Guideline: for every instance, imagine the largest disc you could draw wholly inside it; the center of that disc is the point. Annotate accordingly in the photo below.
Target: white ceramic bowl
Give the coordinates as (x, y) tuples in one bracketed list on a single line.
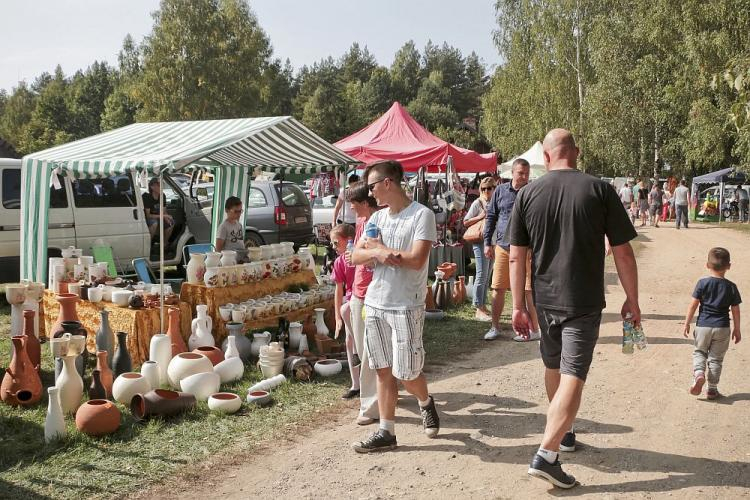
[(258, 397), (128, 385), (328, 367), (185, 364), (224, 402), (121, 297), (270, 371)]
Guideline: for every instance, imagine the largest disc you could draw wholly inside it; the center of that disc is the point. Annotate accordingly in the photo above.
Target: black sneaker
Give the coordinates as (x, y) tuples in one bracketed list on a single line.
[(382, 440), (430, 419), (552, 473), (351, 393), (568, 442)]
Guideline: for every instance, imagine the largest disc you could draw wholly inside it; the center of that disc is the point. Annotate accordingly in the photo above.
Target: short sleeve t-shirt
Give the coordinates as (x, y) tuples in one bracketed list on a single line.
[(626, 195), (151, 203), (232, 234), (362, 274), (343, 273), (399, 288), (563, 217), (716, 295), (654, 197), (681, 195)]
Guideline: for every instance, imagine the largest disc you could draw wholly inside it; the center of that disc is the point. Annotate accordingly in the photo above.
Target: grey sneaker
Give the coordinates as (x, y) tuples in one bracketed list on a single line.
[(382, 440), (568, 442), (492, 334), (430, 419), (551, 473), (532, 336)]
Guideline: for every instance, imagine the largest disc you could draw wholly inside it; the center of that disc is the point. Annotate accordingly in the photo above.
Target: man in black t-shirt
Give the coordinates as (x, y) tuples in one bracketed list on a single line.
[(563, 218)]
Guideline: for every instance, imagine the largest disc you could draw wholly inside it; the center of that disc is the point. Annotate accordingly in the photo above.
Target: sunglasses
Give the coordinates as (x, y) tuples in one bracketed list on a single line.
[(488, 188), (372, 184)]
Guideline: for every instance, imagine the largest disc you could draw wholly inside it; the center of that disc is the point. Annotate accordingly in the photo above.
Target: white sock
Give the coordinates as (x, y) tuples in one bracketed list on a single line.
[(548, 456), (425, 403), (388, 425)]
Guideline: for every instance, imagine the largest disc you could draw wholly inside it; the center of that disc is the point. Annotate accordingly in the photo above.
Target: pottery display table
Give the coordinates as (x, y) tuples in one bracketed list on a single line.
[(218, 296), (139, 324)]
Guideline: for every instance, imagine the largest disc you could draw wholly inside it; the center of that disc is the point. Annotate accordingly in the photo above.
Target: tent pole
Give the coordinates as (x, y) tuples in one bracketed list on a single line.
[(721, 199), (161, 252)]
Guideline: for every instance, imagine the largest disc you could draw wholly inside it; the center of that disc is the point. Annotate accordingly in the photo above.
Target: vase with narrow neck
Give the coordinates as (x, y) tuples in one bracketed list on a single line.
[(213, 259), (228, 258), (242, 344), (70, 385), (96, 389), (68, 312), (174, 332), (54, 423), (105, 337), (160, 350), (21, 384), (196, 268), (320, 323), (105, 372), (308, 261), (231, 350), (76, 330), (121, 362), (459, 291), (33, 349), (201, 328)]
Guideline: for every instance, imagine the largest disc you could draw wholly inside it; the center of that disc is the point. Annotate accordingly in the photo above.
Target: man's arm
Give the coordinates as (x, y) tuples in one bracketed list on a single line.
[(520, 316), (627, 270)]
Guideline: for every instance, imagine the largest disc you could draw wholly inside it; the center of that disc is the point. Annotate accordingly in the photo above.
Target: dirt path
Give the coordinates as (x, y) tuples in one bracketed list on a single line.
[(642, 434)]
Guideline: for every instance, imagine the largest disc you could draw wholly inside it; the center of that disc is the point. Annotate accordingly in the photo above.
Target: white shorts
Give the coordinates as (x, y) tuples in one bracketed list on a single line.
[(399, 332)]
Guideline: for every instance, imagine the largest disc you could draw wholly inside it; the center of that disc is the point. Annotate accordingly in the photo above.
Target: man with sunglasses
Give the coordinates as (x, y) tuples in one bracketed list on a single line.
[(394, 301)]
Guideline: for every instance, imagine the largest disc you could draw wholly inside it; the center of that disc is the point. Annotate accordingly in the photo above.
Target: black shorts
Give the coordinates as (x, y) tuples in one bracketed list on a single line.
[(568, 340)]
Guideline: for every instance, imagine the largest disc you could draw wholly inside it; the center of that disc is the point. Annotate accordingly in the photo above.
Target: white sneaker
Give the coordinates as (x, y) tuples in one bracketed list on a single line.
[(492, 334), (533, 336)]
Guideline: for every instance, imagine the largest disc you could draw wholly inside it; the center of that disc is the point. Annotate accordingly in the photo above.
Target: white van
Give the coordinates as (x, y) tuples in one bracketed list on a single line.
[(85, 210)]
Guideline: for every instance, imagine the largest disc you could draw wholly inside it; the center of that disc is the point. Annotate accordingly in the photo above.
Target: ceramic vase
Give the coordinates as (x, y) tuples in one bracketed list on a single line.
[(470, 288), (211, 277), (295, 334), (201, 328), (231, 350), (121, 362), (201, 385), (309, 329), (21, 384), (127, 385), (186, 364), (68, 312), (78, 336), (442, 297), (160, 351), (244, 345), (96, 389), (160, 403), (213, 259), (105, 373), (196, 268), (97, 417), (224, 402), (228, 258), (105, 337), (320, 324), (459, 291), (151, 372), (259, 340), (174, 332), (70, 385), (429, 299), (33, 348), (54, 423), (308, 261), (230, 370), (268, 384), (214, 354)]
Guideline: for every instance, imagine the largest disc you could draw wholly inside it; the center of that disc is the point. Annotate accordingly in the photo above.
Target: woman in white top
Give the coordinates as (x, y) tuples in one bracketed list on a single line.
[(475, 215)]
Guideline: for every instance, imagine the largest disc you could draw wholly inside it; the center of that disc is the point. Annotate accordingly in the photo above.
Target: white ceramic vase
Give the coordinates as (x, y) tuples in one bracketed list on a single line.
[(228, 258), (70, 385), (259, 340), (231, 350), (128, 385), (185, 364), (211, 276), (151, 372), (224, 402), (160, 350), (213, 259), (201, 385), (308, 261), (196, 268), (295, 334), (201, 329), (230, 370), (54, 423), (320, 323)]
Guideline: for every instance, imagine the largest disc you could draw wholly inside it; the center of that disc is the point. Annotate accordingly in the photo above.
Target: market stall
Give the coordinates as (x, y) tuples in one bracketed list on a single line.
[(534, 155), (725, 177)]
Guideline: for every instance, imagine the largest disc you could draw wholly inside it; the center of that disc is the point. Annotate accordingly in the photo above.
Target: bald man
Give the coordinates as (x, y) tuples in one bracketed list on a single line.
[(563, 219)]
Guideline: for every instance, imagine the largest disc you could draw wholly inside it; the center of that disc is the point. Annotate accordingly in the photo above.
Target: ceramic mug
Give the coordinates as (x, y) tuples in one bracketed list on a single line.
[(238, 315), (95, 294), (225, 313), (59, 345), (77, 344)]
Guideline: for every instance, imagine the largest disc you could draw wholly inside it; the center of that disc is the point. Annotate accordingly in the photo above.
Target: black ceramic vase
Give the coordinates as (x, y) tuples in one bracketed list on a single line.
[(121, 362)]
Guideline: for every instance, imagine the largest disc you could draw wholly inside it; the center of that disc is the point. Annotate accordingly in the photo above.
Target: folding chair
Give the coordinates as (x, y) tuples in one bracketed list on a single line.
[(187, 250), (143, 271)]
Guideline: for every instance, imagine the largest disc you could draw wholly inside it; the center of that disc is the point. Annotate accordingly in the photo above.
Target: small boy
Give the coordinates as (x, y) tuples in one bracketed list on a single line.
[(716, 295), (343, 276), (230, 235)]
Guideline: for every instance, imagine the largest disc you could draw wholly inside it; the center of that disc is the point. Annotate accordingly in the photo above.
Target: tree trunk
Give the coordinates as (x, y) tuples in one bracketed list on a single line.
[(581, 135), (657, 154)]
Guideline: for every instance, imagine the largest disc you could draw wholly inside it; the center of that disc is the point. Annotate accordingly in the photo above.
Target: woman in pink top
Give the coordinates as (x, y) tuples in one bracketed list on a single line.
[(343, 276)]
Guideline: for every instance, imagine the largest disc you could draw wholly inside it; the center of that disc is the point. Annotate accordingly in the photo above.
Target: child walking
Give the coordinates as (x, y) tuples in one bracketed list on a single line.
[(716, 296), (343, 276)]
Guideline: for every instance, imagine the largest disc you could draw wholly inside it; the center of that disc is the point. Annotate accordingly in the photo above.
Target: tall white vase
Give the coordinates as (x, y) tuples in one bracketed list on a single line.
[(150, 371), (320, 324), (160, 350), (201, 328), (196, 268), (70, 385), (231, 351), (54, 423), (213, 259)]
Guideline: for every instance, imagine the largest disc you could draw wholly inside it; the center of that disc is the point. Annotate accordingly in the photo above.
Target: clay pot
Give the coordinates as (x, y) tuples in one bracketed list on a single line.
[(213, 354), (96, 389), (175, 335), (448, 269), (224, 402), (97, 417), (160, 403), (429, 300), (128, 385), (21, 384), (105, 373), (33, 349), (68, 312), (186, 364), (459, 291)]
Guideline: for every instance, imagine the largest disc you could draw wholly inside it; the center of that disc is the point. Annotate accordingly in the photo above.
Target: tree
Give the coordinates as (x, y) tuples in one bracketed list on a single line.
[(357, 64), (406, 73), (432, 106), (16, 116)]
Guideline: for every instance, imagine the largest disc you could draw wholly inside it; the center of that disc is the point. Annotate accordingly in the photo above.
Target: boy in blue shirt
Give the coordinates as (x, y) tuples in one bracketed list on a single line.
[(716, 296)]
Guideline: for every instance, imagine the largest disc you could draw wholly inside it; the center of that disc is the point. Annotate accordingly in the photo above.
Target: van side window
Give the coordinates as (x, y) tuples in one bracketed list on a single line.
[(256, 198), (107, 192), (12, 191)]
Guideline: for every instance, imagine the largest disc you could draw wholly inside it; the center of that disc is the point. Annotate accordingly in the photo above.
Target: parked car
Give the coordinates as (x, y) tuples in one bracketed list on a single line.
[(323, 207)]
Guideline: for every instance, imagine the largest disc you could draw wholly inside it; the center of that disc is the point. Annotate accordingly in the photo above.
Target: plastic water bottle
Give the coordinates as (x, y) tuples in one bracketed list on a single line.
[(350, 246), (639, 338), (627, 336), (371, 230)]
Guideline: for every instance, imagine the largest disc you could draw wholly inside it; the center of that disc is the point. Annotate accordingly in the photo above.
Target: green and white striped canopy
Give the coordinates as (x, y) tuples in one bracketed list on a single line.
[(232, 148)]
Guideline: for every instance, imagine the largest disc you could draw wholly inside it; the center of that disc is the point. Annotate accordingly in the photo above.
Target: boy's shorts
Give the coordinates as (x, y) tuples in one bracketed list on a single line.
[(568, 340), (394, 340), (501, 270)]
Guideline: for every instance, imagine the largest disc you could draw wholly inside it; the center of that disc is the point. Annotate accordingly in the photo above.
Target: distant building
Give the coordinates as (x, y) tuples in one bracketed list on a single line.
[(7, 150)]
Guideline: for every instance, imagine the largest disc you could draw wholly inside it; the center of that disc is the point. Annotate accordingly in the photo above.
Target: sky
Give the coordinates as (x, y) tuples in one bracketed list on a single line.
[(37, 35)]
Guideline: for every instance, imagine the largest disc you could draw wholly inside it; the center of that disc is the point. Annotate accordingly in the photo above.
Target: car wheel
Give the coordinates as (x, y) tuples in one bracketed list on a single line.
[(253, 240)]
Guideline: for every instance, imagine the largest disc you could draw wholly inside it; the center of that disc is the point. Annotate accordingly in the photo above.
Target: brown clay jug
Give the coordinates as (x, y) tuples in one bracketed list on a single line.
[(21, 384), (105, 372), (68, 312), (429, 300), (33, 349), (174, 333), (309, 329), (459, 291)]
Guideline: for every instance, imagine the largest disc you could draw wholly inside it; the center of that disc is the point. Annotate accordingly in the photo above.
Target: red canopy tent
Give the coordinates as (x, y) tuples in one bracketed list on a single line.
[(398, 136)]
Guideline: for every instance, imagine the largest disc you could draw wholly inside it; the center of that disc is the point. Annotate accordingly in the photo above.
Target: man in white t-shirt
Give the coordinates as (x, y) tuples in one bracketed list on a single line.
[(626, 196), (394, 302), (681, 200)]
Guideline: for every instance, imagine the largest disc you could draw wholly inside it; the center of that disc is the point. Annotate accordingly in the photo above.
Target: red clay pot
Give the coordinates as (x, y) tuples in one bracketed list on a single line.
[(160, 403), (105, 372), (68, 312), (214, 354), (33, 349), (429, 300), (97, 417), (21, 384), (175, 335), (448, 268)]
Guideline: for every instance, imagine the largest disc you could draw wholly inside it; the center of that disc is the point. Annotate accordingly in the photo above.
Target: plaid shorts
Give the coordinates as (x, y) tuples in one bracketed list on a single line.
[(399, 332)]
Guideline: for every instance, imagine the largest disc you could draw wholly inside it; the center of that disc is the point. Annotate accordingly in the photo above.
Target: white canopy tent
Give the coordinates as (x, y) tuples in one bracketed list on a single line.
[(535, 157)]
